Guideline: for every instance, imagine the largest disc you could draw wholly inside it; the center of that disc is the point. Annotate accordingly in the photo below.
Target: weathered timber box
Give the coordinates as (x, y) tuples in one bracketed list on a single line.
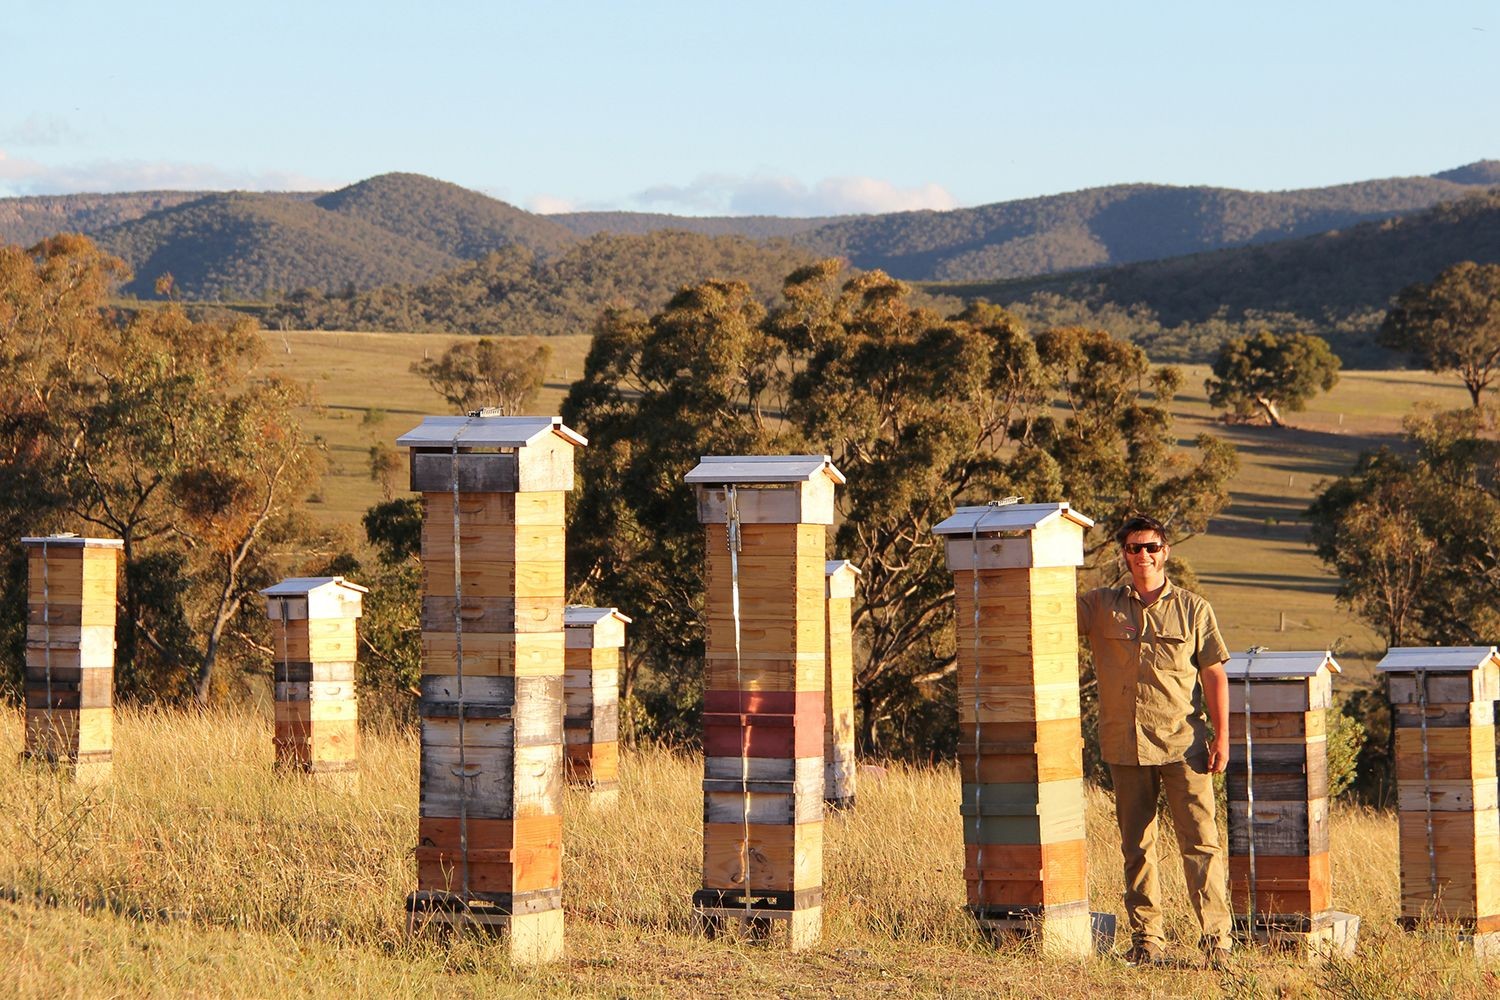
[(595, 644), (1277, 785), (493, 665), (840, 768), (1443, 702), (1015, 591), (68, 683), (314, 646), (765, 711)]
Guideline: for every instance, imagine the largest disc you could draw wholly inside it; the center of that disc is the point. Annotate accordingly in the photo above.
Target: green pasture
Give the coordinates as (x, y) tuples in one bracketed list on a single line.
[(1253, 563)]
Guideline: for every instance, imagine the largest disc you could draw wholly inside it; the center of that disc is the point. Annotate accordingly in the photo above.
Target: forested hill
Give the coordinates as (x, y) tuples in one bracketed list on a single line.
[(446, 217), (24, 221), (514, 291), (1338, 279), (248, 246), (1117, 225), (758, 227), (407, 228)]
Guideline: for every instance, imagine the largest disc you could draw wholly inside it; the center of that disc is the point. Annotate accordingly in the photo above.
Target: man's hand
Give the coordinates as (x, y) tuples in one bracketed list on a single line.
[(1218, 754), (1216, 698)]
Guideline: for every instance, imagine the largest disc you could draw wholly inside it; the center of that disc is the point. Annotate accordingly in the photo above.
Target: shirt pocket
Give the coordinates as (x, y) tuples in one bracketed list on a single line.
[(1172, 651)]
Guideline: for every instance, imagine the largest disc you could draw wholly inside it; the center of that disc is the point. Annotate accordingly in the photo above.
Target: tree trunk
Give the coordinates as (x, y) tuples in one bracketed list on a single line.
[(1268, 406)]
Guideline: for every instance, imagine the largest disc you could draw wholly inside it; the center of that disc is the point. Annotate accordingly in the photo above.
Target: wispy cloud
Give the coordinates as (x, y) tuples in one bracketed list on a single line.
[(39, 130), (23, 176), (772, 194), (547, 204)]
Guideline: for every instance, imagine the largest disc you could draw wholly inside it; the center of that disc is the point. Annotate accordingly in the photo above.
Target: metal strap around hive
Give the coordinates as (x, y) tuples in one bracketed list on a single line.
[(734, 540), (978, 785), (1250, 795), (50, 716), (462, 771), (286, 666), (1432, 873)]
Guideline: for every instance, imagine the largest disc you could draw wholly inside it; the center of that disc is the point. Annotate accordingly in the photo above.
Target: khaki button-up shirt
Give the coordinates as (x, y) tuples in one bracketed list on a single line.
[(1147, 661)]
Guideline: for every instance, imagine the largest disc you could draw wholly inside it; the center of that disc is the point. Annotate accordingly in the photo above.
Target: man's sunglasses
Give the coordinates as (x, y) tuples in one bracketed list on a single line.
[(1135, 548)]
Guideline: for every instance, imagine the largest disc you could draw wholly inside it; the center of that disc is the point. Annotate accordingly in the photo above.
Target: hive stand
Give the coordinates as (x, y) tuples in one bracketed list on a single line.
[(314, 647), (839, 766), (1443, 706), (70, 654), (591, 691), (763, 703), (1020, 741), (1277, 780), (493, 593)]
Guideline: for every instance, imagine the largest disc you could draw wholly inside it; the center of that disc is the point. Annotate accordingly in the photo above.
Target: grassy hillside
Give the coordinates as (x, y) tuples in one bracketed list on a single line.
[(1254, 563), (199, 871)]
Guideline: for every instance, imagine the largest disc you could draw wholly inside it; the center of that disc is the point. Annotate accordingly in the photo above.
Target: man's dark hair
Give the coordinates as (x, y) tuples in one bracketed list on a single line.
[(1140, 522)]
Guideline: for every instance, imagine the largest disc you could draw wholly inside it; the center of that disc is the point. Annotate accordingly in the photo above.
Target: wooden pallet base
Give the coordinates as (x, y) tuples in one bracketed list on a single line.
[(794, 930), (529, 938), (1059, 932), (603, 796), (1317, 938)]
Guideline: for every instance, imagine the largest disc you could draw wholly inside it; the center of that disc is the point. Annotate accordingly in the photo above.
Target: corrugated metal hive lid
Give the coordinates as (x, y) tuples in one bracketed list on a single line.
[(583, 616), (1007, 517), (1442, 659), (832, 566), (482, 431), (1269, 664), (722, 469), (295, 586)]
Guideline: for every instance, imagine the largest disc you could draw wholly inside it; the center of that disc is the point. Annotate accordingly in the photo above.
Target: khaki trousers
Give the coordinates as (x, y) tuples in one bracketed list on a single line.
[(1190, 797)]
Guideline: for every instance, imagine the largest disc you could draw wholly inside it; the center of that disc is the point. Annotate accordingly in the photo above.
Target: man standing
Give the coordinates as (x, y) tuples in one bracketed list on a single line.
[(1160, 660)]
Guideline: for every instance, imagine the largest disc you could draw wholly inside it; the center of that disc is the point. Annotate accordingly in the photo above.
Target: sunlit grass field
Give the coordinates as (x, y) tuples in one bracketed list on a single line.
[(200, 871)]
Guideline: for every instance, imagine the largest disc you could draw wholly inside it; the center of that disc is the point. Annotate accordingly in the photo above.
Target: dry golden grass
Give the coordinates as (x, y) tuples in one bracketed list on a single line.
[(199, 871)]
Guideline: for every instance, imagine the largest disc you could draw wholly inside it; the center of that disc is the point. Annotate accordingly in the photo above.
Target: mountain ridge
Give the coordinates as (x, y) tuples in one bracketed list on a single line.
[(409, 228)]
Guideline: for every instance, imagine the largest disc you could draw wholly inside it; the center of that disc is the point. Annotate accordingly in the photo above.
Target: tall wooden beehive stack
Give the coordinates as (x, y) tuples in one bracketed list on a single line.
[(763, 704), (591, 690), (1443, 700), (70, 653), (1020, 742), (314, 646), (1277, 779), (493, 594), (839, 767)]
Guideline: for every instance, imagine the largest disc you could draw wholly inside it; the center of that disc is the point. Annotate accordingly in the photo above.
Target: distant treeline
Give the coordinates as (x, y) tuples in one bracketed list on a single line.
[(514, 291)]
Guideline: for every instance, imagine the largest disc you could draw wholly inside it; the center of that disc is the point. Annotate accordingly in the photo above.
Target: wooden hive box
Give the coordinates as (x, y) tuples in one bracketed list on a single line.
[(839, 766), (1442, 700), (70, 654), (1277, 784), (764, 704), (1020, 745), (314, 649), (591, 692), (493, 663)]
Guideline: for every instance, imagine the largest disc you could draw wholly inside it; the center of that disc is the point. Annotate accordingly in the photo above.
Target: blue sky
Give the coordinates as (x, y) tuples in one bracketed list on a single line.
[(740, 108)]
